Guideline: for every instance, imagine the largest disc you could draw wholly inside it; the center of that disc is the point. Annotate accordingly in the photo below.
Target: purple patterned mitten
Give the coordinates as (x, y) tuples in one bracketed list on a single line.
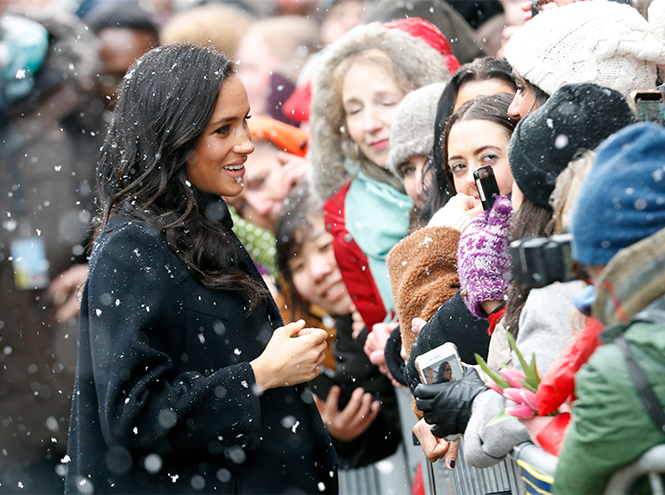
[(483, 259)]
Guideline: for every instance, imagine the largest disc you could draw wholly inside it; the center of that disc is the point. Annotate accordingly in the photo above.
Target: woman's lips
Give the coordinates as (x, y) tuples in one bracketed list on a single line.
[(236, 171), (335, 291), (379, 145)]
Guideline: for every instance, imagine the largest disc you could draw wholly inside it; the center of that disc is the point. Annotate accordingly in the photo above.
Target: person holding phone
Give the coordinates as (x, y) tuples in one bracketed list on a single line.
[(542, 320), (187, 380)]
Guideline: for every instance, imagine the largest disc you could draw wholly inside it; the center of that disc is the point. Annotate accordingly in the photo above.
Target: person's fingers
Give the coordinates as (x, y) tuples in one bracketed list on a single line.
[(452, 454), (332, 401), (417, 325), (322, 407), (293, 328), (354, 404), (377, 358), (423, 391), (432, 447), (68, 309)]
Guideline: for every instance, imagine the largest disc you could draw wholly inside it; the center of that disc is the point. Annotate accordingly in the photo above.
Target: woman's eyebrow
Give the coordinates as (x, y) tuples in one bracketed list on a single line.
[(483, 148)]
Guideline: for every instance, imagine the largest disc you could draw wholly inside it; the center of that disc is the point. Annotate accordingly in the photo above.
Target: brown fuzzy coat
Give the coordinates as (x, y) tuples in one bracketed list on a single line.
[(423, 275)]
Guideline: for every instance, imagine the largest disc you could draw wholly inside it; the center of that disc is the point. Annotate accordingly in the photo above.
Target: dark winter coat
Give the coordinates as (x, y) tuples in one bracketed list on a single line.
[(165, 398), (353, 369)]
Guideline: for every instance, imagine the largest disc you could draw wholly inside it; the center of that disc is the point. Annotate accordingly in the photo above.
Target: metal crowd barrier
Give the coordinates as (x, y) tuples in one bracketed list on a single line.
[(651, 464), (529, 470)]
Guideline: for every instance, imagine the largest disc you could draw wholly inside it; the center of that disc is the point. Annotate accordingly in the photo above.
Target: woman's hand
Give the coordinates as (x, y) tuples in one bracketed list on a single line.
[(376, 343), (435, 448), (457, 212), (292, 356), (63, 292), (349, 423)]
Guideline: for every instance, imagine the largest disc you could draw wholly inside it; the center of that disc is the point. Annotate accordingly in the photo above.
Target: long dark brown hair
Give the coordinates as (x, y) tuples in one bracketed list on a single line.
[(530, 220), (486, 107), (165, 103), (481, 69)]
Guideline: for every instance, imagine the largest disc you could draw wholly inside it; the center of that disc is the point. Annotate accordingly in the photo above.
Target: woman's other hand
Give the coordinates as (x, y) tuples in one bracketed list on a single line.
[(435, 448), (292, 356), (64, 289), (349, 423), (457, 212)]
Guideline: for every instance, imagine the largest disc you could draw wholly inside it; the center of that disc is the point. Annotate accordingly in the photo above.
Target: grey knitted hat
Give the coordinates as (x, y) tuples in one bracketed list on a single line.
[(412, 130)]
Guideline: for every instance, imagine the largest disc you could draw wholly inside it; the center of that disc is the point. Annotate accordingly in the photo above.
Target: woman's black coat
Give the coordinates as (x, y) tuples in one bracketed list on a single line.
[(165, 398)]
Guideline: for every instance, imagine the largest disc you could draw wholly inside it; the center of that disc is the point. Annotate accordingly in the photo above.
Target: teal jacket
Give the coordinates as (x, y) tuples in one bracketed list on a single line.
[(610, 427)]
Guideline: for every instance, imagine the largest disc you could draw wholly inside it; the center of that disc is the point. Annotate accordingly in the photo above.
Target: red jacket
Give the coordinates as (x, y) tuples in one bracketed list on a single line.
[(352, 262)]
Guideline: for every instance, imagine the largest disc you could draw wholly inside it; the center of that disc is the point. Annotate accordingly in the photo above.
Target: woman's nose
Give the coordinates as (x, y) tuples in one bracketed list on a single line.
[(372, 123), (514, 108), (470, 182), (320, 267), (245, 146)]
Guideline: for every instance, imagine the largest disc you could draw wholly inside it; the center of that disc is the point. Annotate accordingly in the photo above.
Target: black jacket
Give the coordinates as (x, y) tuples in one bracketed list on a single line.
[(353, 369), (165, 396)]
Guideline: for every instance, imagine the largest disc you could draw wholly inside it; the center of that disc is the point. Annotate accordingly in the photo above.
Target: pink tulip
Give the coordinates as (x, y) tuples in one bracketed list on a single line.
[(529, 398), (491, 384), (513, 394), (513, 376), (520, 411)]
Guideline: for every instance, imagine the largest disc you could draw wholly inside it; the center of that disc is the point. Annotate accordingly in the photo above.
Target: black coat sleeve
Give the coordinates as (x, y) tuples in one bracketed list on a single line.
[(453, 322), (137, 324)]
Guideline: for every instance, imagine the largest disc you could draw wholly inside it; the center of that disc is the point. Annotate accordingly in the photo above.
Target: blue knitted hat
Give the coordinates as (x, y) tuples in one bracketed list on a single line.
[(622, 200)]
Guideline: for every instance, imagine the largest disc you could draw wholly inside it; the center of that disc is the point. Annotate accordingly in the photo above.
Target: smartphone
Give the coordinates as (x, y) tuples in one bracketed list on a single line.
[(486, 185), (439, 365), (649, 106)]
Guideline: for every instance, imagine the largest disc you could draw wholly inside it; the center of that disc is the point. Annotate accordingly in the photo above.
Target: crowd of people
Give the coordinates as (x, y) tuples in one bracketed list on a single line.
[(233, 232)]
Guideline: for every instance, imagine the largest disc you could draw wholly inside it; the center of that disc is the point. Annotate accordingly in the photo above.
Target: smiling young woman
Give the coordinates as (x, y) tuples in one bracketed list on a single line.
[(186, 378)]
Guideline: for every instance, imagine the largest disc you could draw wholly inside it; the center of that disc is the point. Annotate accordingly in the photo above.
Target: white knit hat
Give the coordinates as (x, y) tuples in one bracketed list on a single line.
[(412, 130), (603, 42)]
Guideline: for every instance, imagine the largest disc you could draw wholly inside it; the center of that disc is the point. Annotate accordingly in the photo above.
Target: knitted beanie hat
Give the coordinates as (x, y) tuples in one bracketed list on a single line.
[(412, 130), (622, 200), (605, 42), (577, 117)]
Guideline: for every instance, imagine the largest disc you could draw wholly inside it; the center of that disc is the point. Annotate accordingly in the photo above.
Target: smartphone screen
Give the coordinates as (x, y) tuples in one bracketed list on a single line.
[(486, 185), (649, 106)]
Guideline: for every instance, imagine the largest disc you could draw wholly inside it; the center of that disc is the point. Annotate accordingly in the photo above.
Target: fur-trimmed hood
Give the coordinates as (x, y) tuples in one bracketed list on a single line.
[(413, 57)]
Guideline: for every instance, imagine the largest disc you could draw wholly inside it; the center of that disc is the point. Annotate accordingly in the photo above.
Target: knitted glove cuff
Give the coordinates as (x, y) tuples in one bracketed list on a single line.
[(483, 259)]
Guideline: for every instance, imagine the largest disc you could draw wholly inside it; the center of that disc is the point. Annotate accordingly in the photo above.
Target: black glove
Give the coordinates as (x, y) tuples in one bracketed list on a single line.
[(447, 406)]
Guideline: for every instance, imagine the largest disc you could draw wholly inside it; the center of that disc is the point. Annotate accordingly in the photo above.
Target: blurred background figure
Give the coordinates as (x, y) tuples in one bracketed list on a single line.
[(339, 16), (126, 32), (270, 57), (215, 25), (50, 131)]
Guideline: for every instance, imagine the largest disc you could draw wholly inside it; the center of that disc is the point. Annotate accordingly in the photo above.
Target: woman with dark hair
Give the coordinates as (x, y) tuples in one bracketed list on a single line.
[(187, 380), (604, 43), (483, 76), (422, 267)]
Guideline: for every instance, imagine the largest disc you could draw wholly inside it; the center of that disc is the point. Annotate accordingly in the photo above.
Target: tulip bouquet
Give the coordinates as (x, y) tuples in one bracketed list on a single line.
[(516, 385)]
